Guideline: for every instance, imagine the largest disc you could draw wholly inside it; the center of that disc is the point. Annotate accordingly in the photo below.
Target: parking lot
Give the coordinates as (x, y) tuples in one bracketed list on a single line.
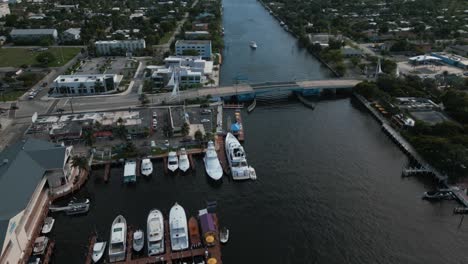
[(112, 65)]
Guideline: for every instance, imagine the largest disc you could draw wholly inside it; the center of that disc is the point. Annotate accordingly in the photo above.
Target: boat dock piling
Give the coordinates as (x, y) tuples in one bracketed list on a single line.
[(165, 164), (107, 172), (192, 163), (138, 169), (92, 241), (169, 256)]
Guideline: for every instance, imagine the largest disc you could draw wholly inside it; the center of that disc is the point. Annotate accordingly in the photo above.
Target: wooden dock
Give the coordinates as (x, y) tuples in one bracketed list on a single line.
[(173, 256), (165, 164), (107, 172), (241, 134), (138, 165), (221, 153), (192, 163), (89, 256), (50, 250)]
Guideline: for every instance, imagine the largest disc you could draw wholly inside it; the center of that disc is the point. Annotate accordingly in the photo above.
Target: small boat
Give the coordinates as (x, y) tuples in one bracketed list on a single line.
[(172, 161), (146, 167), (130, 171), (118, 239), (184, 163), (194, 232), (224, 235), (78, 208), (155, 232), (438, 195), (253, 45), (48, 224), (98, 251), (40, 245), (178, 228), (138, 240), (212, 165), (70, 205)]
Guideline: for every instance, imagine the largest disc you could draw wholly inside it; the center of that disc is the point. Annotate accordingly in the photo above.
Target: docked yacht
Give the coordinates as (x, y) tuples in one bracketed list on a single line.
[(118, 239), (253, 45), (172, 161), (184, 163), (48, 224), (236, 157), (146, 167), (178, 228), (155, 232), (212, 165)]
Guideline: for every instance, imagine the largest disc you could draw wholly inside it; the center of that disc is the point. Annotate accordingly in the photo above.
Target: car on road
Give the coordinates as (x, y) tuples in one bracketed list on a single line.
[(206, 111), (155, 114), (205, 120)]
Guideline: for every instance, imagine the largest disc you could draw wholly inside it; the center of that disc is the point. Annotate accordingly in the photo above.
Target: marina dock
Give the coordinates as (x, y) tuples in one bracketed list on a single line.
[(240, 135), (169, 256), (219, 146), (107, 172)]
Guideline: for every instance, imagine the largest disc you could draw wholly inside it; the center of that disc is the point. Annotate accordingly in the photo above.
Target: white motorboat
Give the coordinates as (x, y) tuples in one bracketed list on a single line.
[(118, 239), (48, 224), (236, 157), (253, 45), (184, 163), (212, 165), (224, 235), (146, 167), (130, 171), (98, 251), (178, 228), (138, 240), (40, 245), (155, 232), (172, 161)]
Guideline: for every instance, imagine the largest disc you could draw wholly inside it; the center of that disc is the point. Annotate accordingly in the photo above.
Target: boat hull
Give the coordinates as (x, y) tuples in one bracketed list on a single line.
[(118, 254), (178, 228), (155, 244)]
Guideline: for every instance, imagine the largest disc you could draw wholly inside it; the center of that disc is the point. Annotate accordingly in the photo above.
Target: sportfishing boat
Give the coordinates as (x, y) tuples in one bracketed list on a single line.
[(48, 224), (118, 239), (184, 163), (98, 251), (172, 161), (253, 45), (155, 232), (178, 228), (236, 157), (138, 240), (130, 171), (146, 167), (212, 165), (40, 245), (224, 235)]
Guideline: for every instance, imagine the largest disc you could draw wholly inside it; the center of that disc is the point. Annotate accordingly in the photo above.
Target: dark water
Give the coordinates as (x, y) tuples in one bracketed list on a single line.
[(277, 58), (329, 188)]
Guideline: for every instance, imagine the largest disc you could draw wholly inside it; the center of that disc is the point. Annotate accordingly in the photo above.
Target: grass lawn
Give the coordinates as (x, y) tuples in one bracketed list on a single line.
[(166, 37), (11, 95), (15, 57)]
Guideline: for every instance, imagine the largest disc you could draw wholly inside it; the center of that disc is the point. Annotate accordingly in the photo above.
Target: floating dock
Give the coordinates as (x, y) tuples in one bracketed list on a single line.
[(107, 172), (219, 146)]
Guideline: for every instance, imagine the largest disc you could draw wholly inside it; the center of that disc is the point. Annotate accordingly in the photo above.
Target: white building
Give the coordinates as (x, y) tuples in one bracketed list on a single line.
[(161, 76), (203, 47), (71, 34), (4, 9), (85, 84), (194, 63), (114, 46)]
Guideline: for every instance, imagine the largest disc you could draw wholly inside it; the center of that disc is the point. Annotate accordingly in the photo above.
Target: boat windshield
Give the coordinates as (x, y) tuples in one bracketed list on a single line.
[(172, 162)]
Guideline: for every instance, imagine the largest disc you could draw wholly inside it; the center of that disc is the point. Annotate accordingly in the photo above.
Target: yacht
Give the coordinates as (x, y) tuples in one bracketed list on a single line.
[(184, 163), (146, 167), (172, 161), (138, 240), (235, 155), (40, 245), (212, 165), (98, 251), (118, 239), (178, 228), (253, 45), (155, 232)]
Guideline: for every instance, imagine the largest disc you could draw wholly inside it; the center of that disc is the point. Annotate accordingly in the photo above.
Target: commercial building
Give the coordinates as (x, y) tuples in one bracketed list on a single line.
[(119, 46), (85, 84), (165, 77), (71, 35), (451, 59), (32, 34), (194, 63), (461, 50), (29, 171), (203, 47)]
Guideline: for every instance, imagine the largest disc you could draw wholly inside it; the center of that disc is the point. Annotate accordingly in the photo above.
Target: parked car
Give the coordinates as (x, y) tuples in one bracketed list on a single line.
[(205, 120)]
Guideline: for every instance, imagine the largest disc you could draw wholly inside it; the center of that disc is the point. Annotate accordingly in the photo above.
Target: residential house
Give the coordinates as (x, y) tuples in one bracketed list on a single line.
[(71, 35)]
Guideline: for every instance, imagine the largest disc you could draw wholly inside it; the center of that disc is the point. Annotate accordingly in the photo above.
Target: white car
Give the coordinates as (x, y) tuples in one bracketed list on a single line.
[(205, 120), (155, 114)]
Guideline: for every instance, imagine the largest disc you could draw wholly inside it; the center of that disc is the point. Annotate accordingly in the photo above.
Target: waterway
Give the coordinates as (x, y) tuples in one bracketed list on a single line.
[(329, 186)]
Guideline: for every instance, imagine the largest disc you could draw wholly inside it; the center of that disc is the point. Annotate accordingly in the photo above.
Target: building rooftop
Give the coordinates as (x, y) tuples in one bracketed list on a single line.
[(82, 78), (192, 42), (116, 41), (44, 31)]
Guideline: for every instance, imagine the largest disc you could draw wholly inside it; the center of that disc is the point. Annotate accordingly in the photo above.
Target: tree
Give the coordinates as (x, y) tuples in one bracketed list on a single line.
[(185, 129), (45, 58), (198, 135), (88, 136), (80, 162)]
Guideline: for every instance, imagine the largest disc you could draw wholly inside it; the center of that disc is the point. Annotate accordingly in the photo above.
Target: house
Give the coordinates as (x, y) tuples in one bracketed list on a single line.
[(349, 52), (85, 84), (205, 15), (29, 171), (71, 35), (115, 46), (200, 26), (203, 47), (194, 63), (30, 35), (36, 16)]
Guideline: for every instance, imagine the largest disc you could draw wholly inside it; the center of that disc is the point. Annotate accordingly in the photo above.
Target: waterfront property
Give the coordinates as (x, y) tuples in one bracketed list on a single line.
[(203, 47), (84, 84), (109, 47), (29, 171)]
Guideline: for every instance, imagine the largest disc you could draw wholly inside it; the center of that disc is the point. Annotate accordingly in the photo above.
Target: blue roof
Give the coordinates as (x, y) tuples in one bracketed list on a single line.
[(235, 127)]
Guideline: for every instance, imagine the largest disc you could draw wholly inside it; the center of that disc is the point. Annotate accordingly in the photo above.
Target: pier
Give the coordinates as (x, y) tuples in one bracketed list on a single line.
[(219, 146)]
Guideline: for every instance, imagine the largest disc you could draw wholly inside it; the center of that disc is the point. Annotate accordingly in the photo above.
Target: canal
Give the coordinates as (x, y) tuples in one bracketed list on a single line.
[(329, 186)]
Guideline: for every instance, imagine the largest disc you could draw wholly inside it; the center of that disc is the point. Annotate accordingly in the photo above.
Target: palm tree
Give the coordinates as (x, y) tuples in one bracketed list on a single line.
[(80, 162)]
